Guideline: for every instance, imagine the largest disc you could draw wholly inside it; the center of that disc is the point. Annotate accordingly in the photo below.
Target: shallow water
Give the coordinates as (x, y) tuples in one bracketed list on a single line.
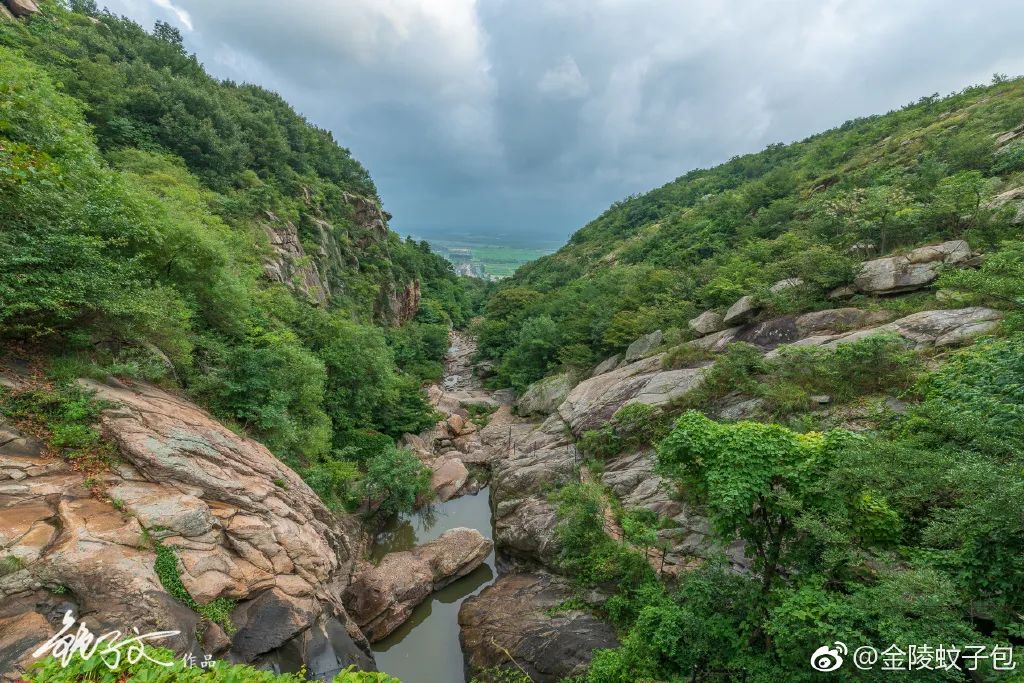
[(425, 649)]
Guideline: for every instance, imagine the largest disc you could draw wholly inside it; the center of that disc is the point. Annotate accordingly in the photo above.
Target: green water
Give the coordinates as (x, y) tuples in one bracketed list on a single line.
[(425, 649)]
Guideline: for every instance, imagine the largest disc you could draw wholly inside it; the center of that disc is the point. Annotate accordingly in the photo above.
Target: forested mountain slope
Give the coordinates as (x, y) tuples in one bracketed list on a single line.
[(811, 444), (160, 224), (811, 210)]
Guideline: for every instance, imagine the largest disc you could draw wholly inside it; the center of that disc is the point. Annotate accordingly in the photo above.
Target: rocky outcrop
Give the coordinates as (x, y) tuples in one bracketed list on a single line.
[(22, 8), (642, 347), (288, 262), (685, 538), (783, 285), (607, 365), (448, 477), (382, 597), (907, 272), (244, 527), (544, 396), (634, 482), (540, 458), (919, 330), (1014, 197), (516, 617), (706, 323), (592, 402), (399, 305), (741, 311), (369, 221)]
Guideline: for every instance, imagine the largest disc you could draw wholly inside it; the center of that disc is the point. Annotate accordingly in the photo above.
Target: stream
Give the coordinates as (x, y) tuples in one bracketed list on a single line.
[(425, 649)]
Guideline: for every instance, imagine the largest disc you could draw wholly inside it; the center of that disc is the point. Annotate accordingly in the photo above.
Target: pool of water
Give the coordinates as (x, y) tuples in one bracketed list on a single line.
[(425, 649)]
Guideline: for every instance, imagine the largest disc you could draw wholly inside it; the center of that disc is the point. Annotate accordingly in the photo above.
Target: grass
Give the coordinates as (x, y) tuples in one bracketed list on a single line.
[(166, 567)]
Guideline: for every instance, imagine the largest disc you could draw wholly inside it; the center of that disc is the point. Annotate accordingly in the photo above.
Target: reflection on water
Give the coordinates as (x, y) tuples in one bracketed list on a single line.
[(425, 649)]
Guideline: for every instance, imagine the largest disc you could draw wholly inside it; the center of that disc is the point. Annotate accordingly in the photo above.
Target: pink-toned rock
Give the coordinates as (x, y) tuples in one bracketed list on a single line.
[(448, 477), (241, 522), (382, 597), (22, 8)]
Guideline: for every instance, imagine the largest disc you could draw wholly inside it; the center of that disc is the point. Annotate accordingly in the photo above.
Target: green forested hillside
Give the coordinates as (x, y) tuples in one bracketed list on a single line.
[(139, 200), (921, 174), (867, 492)]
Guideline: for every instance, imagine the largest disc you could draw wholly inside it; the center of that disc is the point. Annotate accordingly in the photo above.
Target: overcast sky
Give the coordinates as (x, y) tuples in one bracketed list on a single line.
[(529, 117)]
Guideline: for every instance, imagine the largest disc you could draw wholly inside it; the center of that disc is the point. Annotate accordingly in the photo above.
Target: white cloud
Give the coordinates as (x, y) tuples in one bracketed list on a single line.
[(564, 80), (181, 15)]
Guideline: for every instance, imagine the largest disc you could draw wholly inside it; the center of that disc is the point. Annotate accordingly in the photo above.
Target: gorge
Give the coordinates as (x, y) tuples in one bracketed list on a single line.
[(773, 405)]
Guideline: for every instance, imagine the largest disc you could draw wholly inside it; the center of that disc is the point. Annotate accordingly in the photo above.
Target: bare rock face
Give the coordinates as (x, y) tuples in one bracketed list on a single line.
[(783, 285), (243, 524), (634, 482), (836, 320), (706, 323), (1013, 197), (607, 365), (511, 617), (914, 270), (544, 396), (381, 598), (932, 328), (22, 8), (592, 402), (643, 346), (525, 521), (288, 262), (369, 220), (448, 477), (741, 311), (400, 304)]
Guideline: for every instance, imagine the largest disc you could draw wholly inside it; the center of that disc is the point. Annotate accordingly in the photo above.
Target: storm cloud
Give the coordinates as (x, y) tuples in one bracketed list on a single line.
[(528, 118)]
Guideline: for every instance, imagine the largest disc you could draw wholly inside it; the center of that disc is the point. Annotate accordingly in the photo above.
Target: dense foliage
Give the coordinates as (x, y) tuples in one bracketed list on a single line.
[(910, 534), (811, 210), (135, 195)]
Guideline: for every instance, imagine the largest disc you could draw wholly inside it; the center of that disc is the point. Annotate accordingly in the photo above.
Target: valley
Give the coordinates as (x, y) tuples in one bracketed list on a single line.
[(771, 408)]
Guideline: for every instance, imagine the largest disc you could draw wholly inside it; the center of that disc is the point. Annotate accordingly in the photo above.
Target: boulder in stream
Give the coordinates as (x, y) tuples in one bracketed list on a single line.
[(515, 617), (382, 597)]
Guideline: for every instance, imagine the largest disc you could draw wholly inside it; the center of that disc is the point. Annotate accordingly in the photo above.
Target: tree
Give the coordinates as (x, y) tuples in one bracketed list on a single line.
[(393, 481), (755, 478)]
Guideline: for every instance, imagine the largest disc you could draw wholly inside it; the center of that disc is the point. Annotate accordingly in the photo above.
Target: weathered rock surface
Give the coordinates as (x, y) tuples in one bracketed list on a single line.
[(642, 347), (634, 482), (448, 477), (933, 328), (288, 264), (607, 365), (398, 303), (1013, 196), (741, 311), (592, 402), (544, 396), (907, 272), (783, 285), (511, 616), (919, 330), (706, 323), (541, 458), (245, 527), (836, 320), (382, 597), (22, 8)]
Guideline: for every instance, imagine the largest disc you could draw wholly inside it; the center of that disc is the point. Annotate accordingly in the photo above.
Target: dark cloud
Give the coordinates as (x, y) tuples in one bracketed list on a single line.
[(516, 117)]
